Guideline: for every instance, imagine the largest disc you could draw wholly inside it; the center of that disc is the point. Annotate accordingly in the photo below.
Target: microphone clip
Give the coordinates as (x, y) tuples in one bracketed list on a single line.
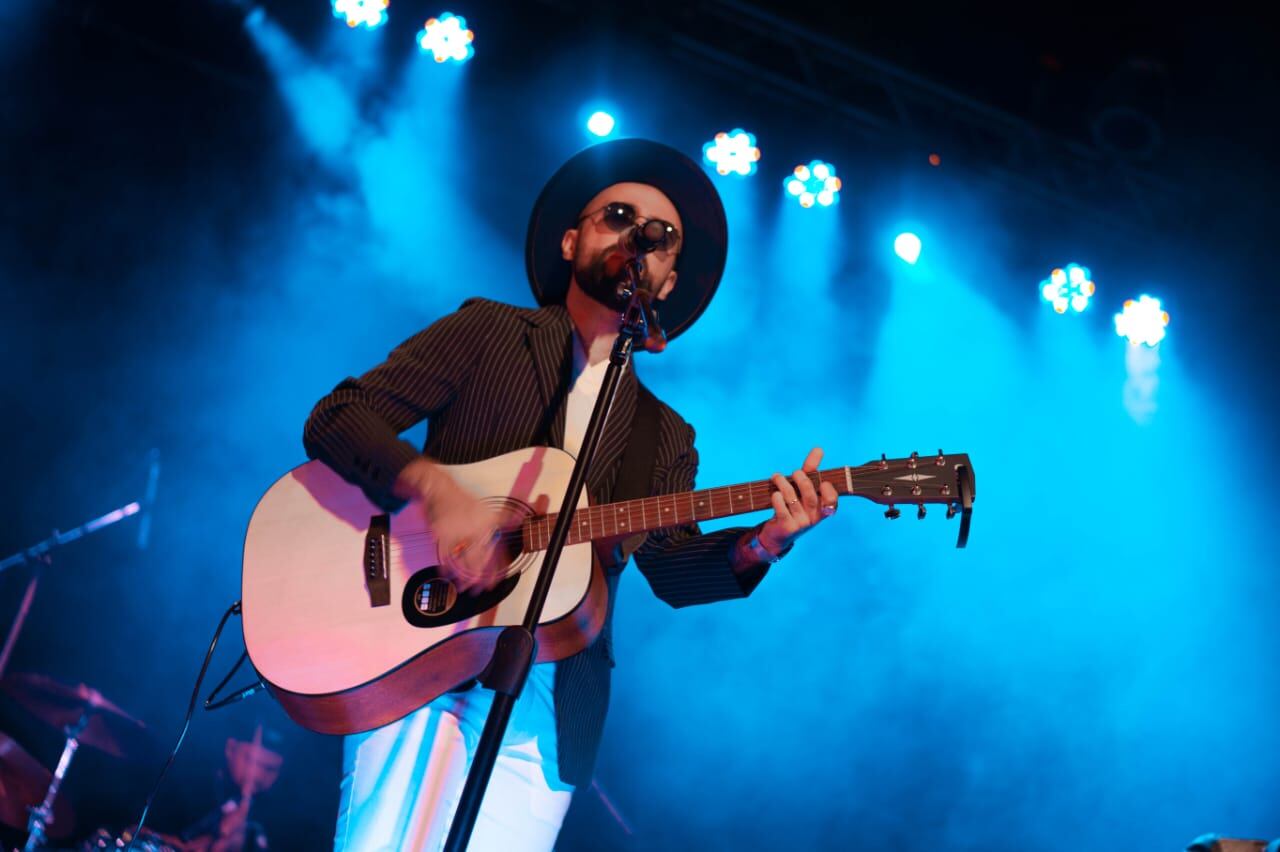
[(640, 318)]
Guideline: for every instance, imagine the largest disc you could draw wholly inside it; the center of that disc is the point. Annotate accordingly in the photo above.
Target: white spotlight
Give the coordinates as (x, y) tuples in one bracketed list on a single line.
[(907, 247)]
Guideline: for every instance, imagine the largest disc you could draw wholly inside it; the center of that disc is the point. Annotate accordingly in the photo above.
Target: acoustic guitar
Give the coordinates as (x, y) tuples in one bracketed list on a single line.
[(351, 624)]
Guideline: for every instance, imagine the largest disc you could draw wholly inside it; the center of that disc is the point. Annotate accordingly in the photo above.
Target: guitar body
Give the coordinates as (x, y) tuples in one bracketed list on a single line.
[(346, 618)]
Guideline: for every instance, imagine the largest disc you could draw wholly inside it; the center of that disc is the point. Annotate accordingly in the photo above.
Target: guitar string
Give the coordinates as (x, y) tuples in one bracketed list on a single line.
[(759, 488), (756, 490), (539, 527)]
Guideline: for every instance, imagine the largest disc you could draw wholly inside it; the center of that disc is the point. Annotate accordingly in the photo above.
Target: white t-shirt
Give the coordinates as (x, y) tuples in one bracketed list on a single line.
[(582, 396)]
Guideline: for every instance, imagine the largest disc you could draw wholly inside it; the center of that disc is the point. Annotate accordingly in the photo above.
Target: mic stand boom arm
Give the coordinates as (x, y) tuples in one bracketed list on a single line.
[(40, 554)]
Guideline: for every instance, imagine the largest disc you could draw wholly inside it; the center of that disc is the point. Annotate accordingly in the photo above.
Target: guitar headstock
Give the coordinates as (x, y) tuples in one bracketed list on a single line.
[(918, 480)]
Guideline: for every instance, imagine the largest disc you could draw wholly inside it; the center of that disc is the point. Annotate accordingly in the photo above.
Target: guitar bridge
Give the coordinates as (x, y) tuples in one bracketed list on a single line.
[(377, 559)]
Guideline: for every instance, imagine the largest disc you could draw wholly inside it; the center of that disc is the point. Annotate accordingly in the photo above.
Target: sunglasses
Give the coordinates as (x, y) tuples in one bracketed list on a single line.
[(619, 216)]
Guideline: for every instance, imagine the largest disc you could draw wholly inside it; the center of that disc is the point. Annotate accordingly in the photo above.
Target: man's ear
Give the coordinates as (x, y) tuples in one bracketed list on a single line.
[(668, 285), (569, 244)]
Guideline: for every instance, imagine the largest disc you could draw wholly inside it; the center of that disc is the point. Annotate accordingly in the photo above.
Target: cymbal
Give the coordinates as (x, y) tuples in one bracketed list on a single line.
[(23, 783), (110, 729)]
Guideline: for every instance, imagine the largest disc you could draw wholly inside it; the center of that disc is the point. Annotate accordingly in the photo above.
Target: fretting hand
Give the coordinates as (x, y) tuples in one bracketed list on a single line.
[(797, 506)]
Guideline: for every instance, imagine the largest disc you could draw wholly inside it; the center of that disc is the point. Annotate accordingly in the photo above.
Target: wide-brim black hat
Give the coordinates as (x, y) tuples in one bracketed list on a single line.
[(705, 237)]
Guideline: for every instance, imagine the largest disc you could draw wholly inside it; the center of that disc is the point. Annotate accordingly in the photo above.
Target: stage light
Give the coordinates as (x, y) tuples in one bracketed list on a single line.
[(907, 247), (447, 37), (361, 13), (1068, 287), (601, 123), (734, 152), (814, 183), (935, 160), (1142, 321)]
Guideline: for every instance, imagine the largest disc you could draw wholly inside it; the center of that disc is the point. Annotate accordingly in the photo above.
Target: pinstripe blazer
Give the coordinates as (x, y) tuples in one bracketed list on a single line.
[(492, 378)]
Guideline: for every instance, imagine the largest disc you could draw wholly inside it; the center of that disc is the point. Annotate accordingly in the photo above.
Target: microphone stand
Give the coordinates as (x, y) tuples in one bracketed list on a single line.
[(516, 647), (39, 554)]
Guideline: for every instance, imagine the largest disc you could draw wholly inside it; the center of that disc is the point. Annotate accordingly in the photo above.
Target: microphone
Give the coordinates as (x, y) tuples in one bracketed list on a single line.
[(642, 239), (148, 501)]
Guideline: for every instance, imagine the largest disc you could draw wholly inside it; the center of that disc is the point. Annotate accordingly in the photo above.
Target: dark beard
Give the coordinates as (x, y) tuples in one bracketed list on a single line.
[(600, 277)]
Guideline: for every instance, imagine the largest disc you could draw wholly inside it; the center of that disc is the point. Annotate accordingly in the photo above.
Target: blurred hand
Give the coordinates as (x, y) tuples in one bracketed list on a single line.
[(465, 529)]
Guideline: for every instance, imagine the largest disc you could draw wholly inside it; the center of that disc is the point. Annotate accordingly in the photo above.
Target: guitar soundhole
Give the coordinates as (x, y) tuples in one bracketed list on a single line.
[(430, 600)]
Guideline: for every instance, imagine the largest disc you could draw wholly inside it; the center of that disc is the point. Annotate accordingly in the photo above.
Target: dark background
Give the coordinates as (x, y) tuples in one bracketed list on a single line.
[(199, 240)]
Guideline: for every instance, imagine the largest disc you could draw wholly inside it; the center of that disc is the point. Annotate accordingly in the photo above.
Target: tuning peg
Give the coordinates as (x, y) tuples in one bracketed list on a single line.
[(952, 509), (941, 461), (893, 513), (920, 513), (914, 460), (884, 462)]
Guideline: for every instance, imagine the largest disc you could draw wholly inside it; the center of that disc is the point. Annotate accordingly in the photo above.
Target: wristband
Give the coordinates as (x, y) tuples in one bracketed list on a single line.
[(759, 551)]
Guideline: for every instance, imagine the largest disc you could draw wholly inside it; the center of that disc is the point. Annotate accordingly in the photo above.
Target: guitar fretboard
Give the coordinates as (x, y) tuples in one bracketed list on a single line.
[(671, 510)]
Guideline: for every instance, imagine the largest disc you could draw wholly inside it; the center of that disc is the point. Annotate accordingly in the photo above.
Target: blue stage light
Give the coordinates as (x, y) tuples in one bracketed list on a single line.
[(907, 246), (601, 124), (447, 37), (734, 152), (816, 182), (1142, 321), (361, 13), (1070, 286)]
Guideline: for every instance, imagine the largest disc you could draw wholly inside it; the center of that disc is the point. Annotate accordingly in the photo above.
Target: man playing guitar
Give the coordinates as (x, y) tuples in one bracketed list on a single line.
[(493, 378)]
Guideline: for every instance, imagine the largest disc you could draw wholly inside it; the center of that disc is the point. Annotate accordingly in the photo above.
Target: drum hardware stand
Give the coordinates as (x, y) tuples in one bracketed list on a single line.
[(41, 815)]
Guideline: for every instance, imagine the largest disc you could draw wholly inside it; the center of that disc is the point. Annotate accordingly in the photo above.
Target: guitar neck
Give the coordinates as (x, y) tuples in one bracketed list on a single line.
[(946, 478), (673, 510)]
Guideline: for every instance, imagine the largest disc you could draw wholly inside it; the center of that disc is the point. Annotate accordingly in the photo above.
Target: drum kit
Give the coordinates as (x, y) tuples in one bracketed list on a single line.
[(28, 791)]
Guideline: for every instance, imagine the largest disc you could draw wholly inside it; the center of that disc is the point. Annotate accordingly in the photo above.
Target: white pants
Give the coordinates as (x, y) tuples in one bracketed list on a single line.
[(401, 783)]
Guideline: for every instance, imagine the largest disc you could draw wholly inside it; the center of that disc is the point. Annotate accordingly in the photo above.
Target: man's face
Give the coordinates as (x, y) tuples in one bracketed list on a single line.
[(592, 247)]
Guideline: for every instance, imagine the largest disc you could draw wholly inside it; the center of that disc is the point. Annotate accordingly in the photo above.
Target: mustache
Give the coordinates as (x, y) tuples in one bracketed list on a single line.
[(609, 266)]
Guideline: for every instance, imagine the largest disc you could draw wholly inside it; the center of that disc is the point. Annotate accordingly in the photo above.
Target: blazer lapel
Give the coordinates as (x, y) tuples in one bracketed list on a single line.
[(551, 348), (617, 430)]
